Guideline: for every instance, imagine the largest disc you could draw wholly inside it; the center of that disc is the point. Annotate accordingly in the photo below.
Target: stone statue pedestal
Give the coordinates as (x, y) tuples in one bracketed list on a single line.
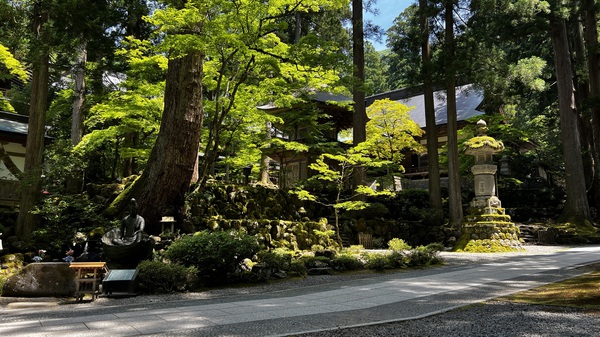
[(487, 228)]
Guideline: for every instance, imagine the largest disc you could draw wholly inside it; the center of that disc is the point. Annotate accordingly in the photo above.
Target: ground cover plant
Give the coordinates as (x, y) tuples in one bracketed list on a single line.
[(580, 292)]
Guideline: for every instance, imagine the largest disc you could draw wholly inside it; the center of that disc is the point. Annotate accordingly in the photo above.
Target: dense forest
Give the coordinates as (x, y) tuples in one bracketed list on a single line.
[(166, 93)]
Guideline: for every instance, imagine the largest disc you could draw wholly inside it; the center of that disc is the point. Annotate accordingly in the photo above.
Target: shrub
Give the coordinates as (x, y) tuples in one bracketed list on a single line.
[(354, 249), (297, 267), (160, 277), (277, 259), (11, 264), (346, 262), (216, 255), (398, 244), (377, 262), (63, 216), (315, 261), (425, 255), (397, 259)]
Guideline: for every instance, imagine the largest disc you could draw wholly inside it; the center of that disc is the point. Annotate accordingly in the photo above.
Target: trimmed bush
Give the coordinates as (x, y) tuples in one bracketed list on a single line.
[(160, 277), (218, 256)]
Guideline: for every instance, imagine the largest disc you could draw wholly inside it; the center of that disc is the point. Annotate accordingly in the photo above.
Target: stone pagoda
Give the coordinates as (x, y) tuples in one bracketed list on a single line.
[(486, 227)]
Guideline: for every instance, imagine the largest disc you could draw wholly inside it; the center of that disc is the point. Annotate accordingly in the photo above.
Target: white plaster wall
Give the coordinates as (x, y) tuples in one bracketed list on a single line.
[(19, 159)]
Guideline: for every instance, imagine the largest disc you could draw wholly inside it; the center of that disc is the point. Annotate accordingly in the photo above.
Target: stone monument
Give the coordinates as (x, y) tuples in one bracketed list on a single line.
[(486, 227), (128, 244)]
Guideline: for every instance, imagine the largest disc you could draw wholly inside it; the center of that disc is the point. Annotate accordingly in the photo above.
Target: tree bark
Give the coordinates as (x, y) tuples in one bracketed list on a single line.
[(264, 159), (8, 162), (593, 64), (166, 179), (78, 96), (455, 212), (75, 182), (576, 205), (435, 194), (582, 92), (31, 182), (359, 131)]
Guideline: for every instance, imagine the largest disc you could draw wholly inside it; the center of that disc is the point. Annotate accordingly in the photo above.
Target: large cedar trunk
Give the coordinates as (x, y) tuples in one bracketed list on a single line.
[(359, 132), (31, 183), (75, 182), (78, 96), (435, 194), (593, 61), (455, 212), (576, 205), (166, 179)]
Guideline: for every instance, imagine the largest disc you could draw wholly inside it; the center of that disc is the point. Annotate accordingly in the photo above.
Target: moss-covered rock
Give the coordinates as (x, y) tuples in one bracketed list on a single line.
[(47, 279)]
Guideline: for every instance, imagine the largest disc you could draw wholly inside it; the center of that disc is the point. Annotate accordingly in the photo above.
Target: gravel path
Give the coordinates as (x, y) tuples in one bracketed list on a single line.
[(492, 318), (450, 259)]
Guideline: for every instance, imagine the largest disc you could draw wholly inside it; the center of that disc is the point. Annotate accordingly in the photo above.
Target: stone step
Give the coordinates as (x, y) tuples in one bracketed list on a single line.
[(31, 305)]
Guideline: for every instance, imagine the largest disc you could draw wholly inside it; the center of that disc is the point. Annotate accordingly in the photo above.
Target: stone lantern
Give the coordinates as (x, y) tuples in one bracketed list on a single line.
[(486, 228), (483, 147)]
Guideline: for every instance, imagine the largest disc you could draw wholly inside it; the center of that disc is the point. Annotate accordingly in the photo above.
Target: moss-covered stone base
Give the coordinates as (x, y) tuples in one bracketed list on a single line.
[(488, 229)]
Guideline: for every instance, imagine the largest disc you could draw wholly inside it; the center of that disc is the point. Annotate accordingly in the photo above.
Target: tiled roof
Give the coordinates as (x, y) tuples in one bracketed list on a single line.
[(468, 98), (13, 123)]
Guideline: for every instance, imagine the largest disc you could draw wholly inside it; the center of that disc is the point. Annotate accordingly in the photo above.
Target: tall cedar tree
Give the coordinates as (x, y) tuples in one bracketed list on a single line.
[(31, 188), (455, 212), (358, 91), (172, 160), (435, 194), (593, 65), (576, 205)]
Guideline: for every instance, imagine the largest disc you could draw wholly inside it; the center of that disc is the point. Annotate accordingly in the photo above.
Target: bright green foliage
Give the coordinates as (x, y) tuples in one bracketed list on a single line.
[(248, 63), (481, 141), (216, 255), (398, 244), (160, 277), (390, 130), (9, 67), (336, 171), (485, 246), (529, 71), (376, 261), (133, 110)]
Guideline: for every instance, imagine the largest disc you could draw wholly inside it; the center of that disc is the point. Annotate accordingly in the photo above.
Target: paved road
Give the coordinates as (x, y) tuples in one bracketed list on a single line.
[(381, 299)]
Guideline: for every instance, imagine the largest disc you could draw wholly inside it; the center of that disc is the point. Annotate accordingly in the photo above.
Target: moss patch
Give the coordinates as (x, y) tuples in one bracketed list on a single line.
[(486, 246), (581, 292), (481, 141)]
